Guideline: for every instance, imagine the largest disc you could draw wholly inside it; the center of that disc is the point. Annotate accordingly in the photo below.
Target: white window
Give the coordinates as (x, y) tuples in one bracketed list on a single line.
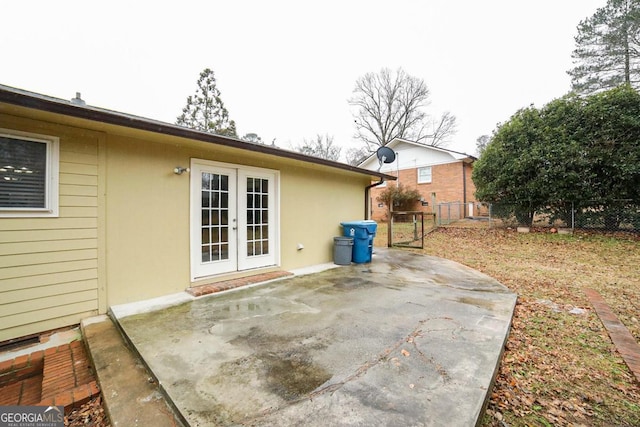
[(424, 175), (28, 175)]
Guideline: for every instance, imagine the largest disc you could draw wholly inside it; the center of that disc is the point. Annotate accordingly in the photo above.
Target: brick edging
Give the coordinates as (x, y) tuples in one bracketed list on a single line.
[(207, 289), (625, 343)]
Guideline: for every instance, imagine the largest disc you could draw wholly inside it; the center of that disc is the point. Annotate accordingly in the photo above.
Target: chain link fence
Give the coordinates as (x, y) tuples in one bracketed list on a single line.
[(612, 216), (458, 213)]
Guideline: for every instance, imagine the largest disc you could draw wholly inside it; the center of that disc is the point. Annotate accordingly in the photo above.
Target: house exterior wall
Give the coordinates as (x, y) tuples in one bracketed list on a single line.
[(49, 267), (123, 233), (449, 182), (147, 214)]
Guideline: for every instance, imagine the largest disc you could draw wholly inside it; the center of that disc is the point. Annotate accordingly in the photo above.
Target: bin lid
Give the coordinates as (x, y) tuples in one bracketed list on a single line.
[(366, 224)]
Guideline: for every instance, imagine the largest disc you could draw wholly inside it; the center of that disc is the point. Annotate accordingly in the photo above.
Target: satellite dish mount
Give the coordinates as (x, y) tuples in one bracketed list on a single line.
[(385, 155)]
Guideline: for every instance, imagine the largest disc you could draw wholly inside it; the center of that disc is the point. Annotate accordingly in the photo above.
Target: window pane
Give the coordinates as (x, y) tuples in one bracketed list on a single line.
[(215, 217), (265, 247), (265, 185), (224, 200), (205, 236), (215, 182), (224, 251), (205, 199), (206, 256), (424, 174), (249, 201), (205, 217), (265, 203), (257, 201), (206, 181), (23, 173), (265, 231), (224, 217), (224, 183)]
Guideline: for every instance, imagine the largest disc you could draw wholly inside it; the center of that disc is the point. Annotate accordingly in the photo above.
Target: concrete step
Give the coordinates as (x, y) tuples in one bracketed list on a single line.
[(130, 395)]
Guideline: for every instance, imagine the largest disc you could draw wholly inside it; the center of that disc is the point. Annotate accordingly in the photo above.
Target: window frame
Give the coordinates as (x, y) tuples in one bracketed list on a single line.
[(430, 175), (51, 192)]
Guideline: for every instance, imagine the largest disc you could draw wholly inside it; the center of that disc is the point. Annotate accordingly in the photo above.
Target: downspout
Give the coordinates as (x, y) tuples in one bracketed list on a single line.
[(464, 185), (366, 196)]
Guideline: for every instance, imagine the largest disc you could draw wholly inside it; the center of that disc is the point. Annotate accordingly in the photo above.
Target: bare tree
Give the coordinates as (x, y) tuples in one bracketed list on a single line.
[(355, 156), (481, 143), (391, 105), (322, 146), (443, 129)]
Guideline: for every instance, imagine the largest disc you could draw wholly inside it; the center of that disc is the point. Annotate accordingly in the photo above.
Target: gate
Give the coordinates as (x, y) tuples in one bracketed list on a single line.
[(407, 229)]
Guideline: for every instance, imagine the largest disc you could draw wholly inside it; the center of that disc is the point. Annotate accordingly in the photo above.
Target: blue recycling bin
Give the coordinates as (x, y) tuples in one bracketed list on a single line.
[(362, 233)]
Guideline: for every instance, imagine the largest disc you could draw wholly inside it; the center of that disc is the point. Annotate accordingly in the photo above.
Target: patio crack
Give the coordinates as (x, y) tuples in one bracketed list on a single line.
[(384, 356), (362, 370)]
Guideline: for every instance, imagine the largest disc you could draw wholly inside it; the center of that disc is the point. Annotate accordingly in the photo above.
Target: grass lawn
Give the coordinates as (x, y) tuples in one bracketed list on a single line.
[(559, 368)]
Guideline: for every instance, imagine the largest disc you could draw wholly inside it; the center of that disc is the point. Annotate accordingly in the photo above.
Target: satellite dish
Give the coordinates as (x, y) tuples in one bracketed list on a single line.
[(385, 155)]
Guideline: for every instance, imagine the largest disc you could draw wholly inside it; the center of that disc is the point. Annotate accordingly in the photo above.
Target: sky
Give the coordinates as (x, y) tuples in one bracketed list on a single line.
[(286, 69)]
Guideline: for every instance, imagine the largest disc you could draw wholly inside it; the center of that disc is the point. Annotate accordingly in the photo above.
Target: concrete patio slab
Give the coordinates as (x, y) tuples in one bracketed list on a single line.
[(406, 340)]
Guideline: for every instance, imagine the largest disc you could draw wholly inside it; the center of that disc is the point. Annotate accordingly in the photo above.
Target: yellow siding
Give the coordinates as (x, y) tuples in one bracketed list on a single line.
[(46, 291), (48, 224), (13, 275), (49, 266), (148, 248), (47, 235), (123, 229)]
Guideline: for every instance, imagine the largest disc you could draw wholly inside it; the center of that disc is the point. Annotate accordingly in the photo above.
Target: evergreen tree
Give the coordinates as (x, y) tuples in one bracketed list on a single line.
[(205, 110), (252, 137), (575, 151), (607, 52)]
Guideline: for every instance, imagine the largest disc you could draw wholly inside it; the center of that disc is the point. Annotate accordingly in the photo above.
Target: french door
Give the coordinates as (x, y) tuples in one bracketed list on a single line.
[(233, 218)]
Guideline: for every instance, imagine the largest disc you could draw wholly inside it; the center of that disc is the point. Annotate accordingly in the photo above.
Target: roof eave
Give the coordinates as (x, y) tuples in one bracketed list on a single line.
[(35, 101)]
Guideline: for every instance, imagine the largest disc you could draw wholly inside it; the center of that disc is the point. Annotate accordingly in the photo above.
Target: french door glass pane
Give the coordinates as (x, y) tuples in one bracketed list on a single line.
[(257, 218), (215, 217)]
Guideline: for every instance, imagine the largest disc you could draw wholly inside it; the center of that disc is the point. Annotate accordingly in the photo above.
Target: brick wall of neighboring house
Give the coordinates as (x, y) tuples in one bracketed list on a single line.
[(446, 183)]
